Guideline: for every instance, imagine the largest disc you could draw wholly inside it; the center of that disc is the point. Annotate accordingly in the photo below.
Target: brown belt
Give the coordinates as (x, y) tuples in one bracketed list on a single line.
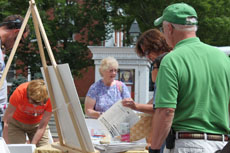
[(190, 135)]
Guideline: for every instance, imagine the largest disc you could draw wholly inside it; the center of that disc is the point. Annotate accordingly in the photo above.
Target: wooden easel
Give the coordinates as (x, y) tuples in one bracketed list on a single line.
[(40, 29)]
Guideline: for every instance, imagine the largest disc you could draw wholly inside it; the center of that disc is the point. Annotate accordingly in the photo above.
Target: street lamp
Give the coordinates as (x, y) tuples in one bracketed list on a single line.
[(134, 32)]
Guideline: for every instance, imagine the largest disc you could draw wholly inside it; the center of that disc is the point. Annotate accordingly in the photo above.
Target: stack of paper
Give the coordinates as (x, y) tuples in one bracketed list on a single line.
[(3, 146), (109, 124), (120, 147), (115, 116)]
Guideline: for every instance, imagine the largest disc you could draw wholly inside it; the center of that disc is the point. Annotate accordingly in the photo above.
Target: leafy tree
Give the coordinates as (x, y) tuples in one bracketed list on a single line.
[(88, 20), (62, 20), (3, 4), (213, 16), (84, 20)]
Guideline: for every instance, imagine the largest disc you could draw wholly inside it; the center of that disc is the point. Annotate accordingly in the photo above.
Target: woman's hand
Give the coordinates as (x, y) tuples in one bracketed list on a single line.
[(128, 102)]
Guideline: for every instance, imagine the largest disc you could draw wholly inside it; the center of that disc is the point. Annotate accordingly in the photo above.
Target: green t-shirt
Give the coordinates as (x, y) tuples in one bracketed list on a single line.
[(195, 80)]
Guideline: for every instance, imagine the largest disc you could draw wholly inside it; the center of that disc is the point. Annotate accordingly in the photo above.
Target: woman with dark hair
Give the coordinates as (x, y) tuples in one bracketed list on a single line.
[(152, 45)]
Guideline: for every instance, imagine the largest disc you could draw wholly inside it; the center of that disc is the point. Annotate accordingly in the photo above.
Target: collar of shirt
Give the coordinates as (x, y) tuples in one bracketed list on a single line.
[(187, 41)]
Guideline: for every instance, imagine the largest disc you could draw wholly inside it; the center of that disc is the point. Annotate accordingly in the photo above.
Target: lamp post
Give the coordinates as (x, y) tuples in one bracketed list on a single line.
[(134, 32), (29, 74)]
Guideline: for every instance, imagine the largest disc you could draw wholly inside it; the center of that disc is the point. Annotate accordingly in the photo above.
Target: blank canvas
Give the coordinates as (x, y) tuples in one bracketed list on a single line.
[(67, 128)]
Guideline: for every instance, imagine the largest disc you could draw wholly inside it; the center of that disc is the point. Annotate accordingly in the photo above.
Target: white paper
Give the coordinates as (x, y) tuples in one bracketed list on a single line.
[(3, 146), (120, 147), (116, 115)]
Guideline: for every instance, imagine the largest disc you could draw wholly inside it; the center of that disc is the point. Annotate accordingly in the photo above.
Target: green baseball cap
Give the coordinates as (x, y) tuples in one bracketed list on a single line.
[(178, 13)]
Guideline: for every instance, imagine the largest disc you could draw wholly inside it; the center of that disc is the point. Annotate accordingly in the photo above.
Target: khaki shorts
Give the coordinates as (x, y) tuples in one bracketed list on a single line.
[(196, 146), (17, 132)]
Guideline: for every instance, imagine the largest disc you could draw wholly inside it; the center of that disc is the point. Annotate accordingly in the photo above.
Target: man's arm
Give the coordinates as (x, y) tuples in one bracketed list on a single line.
[(161, 124), (42, 127), (7, 116)]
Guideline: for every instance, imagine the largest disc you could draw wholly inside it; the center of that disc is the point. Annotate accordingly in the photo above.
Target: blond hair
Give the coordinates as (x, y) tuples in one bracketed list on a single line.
[(107, 63), (37, 91)]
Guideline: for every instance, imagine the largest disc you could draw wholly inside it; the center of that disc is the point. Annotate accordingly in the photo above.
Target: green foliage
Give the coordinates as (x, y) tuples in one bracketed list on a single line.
[(213, 16), (89, 22), (214, 21), (3, 4), (62, 20)]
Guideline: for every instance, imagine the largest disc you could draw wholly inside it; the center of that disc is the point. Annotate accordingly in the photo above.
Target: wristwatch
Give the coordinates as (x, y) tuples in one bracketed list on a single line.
[(154, 150)]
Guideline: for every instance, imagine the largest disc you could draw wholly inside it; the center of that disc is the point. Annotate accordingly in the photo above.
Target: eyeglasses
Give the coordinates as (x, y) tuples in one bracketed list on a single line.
[(37, 103), (16, 24), (161, 29), (146, 52), (112, 70)]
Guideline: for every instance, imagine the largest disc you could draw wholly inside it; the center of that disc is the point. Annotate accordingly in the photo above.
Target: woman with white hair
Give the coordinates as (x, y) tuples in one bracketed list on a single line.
[(107, 91)]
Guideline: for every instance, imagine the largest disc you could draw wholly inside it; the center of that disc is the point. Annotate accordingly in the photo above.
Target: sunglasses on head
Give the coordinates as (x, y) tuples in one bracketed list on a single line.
[(15, 24)]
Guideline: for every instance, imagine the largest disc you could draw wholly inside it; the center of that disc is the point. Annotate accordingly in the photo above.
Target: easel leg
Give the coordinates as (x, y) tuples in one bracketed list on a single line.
[(46, 72)]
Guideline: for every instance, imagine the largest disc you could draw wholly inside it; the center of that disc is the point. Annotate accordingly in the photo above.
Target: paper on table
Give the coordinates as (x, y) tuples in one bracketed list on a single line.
[(116, 115), (3, 146), (120, 147)]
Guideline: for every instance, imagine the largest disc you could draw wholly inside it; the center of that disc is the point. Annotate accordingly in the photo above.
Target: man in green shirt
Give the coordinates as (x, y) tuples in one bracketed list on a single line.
[(193, 88)]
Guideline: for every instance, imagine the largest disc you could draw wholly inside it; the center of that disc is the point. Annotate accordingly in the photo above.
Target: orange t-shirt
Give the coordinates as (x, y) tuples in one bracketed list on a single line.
[(25, 111)]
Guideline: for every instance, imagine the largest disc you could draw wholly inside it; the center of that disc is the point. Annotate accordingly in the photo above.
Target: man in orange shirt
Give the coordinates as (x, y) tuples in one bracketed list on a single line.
[(28, 113)]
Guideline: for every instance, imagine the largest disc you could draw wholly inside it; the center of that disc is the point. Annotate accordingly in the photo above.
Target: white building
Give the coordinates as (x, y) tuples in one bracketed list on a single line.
[(225, 49)]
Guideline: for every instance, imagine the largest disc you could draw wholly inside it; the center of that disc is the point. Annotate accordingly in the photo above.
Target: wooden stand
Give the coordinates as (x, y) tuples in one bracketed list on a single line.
[(40, 29)]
